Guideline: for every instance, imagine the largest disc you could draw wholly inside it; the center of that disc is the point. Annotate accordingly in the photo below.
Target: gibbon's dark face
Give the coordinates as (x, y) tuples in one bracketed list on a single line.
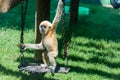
[(44, 27)]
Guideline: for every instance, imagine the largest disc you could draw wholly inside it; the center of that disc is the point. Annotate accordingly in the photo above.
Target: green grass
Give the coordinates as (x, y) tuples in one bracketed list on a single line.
[(94, 52)]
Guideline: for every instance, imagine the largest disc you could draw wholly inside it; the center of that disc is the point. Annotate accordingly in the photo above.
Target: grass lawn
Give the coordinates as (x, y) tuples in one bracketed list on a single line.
[(94, 52)]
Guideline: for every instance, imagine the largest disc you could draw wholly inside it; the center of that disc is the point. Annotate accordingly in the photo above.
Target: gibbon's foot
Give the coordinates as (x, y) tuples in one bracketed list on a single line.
[(44, 65), (21, 46), (52, 70)]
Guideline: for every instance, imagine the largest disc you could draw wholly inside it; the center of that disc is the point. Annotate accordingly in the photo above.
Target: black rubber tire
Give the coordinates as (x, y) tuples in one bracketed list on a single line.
[(114, 4)]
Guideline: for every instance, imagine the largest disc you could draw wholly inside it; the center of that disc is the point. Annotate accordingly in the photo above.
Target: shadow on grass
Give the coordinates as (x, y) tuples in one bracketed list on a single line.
[(106, 52), (29, 51), (96, 60), (27, 59), (73, 69), (23, 76), (93, 71), (101, 23), (89, 71), (98, 72)]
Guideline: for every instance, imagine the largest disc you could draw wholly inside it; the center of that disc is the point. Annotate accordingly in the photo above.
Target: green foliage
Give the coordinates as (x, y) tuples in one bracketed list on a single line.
[(94, 52)]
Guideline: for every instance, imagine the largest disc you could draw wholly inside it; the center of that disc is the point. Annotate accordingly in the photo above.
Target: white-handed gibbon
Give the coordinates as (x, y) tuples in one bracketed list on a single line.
[(49, 41)]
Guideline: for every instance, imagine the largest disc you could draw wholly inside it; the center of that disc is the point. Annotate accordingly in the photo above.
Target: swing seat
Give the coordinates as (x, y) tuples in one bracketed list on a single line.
[(36, 68)]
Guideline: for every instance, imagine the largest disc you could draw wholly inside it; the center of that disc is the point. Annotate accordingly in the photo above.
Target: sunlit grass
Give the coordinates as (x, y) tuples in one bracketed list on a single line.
[(88, 58), (94, 51)]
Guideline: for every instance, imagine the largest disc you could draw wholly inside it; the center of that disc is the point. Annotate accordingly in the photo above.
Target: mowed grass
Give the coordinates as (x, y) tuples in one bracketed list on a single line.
[(94, 51)]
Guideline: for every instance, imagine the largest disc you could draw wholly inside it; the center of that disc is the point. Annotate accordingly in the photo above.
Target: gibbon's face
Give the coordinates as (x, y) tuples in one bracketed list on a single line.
[(44, 27)]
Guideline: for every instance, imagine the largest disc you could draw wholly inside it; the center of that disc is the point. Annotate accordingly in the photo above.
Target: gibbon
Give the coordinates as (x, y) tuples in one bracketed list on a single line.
[(49, 41)]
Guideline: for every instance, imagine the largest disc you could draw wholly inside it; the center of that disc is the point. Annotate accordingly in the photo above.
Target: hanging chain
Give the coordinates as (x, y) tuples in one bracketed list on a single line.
[(63, 27), (22, 22), (23, 17), (66, 37), (63, 24), (63, 36)]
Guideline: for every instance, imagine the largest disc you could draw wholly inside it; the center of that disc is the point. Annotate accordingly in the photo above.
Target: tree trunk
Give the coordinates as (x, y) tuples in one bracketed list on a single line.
[(74, 4), (6, 5), (42, 13)]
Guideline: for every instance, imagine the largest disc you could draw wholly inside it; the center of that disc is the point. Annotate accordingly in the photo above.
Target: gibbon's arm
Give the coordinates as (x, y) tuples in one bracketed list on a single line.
[(58, 14), (34, 46)]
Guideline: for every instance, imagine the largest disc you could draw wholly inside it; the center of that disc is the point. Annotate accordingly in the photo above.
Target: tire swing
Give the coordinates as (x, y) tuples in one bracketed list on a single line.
[(115, 3), (36, 67)]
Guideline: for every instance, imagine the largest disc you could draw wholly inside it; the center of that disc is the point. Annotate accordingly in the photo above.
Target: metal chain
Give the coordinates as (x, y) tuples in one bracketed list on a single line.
[(66, 37), (63, 29), (63, 36), (22, 22), (23, 18), (63, 25), (66, 45)]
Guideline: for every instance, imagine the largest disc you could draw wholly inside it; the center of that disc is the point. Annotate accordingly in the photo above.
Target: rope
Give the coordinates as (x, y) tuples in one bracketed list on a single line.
[(23, 18)]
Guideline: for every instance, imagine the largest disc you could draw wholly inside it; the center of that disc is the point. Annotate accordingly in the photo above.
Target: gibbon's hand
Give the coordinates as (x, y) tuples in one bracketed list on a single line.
[(60, 2), (21, 46)]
